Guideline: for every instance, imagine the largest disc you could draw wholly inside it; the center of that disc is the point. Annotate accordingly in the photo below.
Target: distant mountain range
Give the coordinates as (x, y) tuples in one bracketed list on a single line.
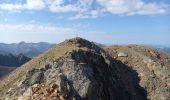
[(166, 50), (16, 54), (27, 49), (160, 47)]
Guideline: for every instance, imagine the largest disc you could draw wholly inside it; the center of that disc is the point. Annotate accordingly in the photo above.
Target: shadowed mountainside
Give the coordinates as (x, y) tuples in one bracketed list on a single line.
[(4, 70), (152, 66), (13, 61)]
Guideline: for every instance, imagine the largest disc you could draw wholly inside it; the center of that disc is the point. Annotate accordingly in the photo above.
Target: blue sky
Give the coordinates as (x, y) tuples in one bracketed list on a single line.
[(104, 21)]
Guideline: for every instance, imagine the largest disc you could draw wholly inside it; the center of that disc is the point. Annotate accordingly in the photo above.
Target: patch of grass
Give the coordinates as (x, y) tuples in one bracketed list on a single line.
[(59, 51)]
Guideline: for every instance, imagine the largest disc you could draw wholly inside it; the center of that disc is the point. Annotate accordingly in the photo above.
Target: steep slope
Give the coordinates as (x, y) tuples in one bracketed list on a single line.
[(13, 60), (73, 70), (28, 49), (153, 68)]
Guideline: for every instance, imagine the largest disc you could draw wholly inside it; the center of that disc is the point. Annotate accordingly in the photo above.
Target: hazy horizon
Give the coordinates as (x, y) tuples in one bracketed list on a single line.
[(102, 21), (107, 44)]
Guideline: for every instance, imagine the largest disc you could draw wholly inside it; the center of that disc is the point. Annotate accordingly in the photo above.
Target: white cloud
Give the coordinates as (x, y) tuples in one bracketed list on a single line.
[(86, 8), (35, 4), (30, 5), (11, 7), (63, 9), (64, 6), (132, 7), (31, 28)]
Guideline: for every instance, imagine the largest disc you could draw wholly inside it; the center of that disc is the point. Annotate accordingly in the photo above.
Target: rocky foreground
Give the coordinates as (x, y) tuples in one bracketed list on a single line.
[(152, 68), (77, 69)]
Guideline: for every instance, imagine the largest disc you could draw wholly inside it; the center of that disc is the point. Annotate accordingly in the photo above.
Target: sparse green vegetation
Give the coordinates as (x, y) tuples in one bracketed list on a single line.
[(59, 50)]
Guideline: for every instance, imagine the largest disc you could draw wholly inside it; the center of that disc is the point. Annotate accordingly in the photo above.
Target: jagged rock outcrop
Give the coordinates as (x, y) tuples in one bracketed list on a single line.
[(77, 69)]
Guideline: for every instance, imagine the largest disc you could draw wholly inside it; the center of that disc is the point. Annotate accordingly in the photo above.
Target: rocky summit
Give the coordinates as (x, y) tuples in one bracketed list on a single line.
[(77, 69)]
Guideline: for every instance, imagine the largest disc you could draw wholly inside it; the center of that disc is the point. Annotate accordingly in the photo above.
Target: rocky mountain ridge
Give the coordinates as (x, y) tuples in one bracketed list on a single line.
[(77, 69)]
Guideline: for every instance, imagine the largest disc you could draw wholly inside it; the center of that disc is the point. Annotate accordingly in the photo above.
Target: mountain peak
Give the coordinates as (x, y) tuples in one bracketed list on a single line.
[(70, 46), (77, 69), (22, 42), (79, 40), (81, 43)]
